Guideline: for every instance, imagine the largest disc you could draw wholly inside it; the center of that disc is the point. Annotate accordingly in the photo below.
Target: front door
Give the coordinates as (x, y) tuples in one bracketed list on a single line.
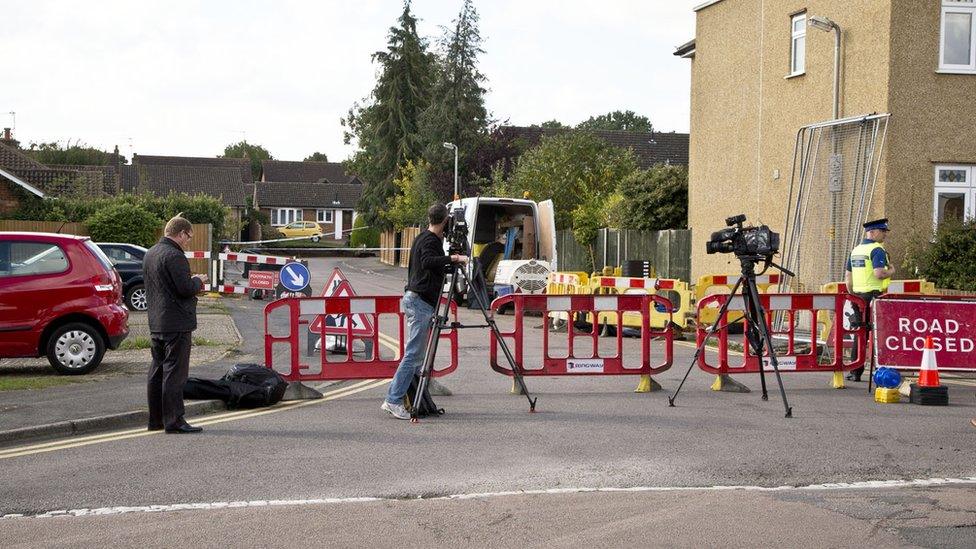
[(346, 221)]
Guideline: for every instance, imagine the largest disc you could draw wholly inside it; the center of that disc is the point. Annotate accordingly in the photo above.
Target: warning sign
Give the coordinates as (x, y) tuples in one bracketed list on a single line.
[(902, 324), (262, 280), (338, 285)]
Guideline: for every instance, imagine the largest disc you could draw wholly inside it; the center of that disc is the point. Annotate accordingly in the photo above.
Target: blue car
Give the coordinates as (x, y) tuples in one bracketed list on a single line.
[(127, 259)]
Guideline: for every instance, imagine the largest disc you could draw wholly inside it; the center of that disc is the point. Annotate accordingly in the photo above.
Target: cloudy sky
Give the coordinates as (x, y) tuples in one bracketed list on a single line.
[(189, 77)]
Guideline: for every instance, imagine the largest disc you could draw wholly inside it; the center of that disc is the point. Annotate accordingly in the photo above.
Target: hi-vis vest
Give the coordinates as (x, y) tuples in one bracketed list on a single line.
[(862, 270)]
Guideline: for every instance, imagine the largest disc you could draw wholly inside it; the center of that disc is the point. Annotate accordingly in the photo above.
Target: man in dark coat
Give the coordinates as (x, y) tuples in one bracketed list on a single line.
[(171, 292)]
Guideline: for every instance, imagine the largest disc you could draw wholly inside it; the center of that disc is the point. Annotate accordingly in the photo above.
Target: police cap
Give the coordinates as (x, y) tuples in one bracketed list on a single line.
[(881, 224)]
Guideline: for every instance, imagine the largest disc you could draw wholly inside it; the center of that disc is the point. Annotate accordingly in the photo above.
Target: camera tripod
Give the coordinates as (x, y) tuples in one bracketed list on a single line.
[(757, 333), (439, 320)]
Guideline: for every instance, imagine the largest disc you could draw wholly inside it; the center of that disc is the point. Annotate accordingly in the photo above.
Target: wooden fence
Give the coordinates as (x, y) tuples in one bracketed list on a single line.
[(202, 235)]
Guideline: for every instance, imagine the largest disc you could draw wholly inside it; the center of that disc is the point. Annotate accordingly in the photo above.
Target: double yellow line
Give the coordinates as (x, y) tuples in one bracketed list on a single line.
[(77, 442)]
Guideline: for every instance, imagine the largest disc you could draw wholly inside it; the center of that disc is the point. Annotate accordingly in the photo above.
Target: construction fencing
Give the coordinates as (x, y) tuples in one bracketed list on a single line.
[(668, 251)]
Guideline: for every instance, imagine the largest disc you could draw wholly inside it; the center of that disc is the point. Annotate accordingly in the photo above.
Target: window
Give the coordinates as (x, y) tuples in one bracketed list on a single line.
[(955, 193), (798, 44), (284, 216), (31, 258), (325, 216), (957, 49)]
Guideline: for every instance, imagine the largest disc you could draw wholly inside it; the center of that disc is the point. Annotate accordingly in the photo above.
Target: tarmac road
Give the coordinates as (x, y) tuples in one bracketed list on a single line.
[(588, 433)]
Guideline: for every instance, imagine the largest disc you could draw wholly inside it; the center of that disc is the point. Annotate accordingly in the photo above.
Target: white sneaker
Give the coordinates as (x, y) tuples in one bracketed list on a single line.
[(396, 410)]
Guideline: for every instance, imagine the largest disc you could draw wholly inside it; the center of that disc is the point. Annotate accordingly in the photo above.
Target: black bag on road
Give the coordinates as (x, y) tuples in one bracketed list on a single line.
[(243, 386)]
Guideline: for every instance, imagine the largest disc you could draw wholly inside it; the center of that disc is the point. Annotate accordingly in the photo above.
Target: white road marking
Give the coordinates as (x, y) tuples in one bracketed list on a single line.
[(862, 485)]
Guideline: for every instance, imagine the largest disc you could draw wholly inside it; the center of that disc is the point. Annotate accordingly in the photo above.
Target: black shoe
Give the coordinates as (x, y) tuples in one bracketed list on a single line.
[(155, 428), (853, 377), (185, 428)]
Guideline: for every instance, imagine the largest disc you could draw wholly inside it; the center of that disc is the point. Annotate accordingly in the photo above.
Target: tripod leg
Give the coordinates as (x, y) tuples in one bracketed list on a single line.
[(701, 346), (516, 369), (766, 340), (756, 340)]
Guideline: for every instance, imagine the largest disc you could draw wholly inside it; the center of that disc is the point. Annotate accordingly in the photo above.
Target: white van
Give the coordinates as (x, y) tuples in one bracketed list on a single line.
[(514, 239)]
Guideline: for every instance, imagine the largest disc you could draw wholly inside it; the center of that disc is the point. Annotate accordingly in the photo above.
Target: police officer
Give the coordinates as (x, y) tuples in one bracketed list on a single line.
[(869, 271)]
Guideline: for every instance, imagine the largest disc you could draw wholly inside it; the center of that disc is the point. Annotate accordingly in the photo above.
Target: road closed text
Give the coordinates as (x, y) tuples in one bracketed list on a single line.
[(945, 334)]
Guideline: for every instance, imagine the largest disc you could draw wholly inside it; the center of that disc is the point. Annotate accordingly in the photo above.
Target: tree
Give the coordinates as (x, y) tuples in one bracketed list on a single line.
[(316, 157), (945, 258), (618, 120), (55, 154), (551, 125), (571, 168), (386, 126), (456, 113), (408, 207), (254, 153), (655, 199)]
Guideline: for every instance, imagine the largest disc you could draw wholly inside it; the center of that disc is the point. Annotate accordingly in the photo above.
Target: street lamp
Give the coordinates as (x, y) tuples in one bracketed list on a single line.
[(454, 147), (820, 22)]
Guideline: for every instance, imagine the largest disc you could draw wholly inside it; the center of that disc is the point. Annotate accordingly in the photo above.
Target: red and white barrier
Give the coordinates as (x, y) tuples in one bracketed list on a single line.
[(255, 258), (300, 311), (800, 354), (574, 360)]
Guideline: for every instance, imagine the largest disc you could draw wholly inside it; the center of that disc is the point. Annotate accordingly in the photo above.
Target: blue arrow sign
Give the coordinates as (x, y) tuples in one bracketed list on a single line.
[(295, 277)]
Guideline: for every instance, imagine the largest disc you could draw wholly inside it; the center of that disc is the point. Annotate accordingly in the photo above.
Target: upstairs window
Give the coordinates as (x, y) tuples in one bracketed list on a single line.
[(955, 192), (957, 48), (798, 44)]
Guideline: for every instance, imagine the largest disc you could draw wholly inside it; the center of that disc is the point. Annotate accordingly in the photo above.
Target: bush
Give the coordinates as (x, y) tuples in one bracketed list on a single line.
[(361, 236), (655, 199), (124, 223), (946, 259)]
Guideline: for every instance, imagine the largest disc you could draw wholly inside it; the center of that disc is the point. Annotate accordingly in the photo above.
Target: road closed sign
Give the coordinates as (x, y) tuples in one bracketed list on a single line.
[(902, 324)]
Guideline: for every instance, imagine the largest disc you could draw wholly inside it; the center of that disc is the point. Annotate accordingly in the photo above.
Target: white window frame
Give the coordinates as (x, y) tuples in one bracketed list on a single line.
[(958, 6), (968, 189), (283, 216), (327, 218), (795, 35)]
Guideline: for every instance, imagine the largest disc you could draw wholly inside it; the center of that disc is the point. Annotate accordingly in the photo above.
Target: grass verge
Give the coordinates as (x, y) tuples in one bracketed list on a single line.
[(19, 383), (143, 342)]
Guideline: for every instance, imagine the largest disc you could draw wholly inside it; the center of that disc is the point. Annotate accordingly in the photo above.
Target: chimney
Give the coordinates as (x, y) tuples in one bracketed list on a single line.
[(8, 139)]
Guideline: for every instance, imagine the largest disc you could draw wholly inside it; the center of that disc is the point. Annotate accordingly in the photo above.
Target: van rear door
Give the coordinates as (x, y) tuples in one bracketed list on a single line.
[(547, 233)]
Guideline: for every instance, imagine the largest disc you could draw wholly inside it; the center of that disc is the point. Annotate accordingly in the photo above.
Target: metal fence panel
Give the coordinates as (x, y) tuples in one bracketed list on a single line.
[(668, 251)]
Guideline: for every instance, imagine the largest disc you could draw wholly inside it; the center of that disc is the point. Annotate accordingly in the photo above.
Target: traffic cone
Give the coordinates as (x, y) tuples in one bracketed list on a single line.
[(928, 375), (928, 390)]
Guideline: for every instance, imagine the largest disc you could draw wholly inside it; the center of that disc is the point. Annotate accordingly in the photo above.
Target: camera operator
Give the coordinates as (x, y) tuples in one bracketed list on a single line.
[(869, 271), (423, 290)]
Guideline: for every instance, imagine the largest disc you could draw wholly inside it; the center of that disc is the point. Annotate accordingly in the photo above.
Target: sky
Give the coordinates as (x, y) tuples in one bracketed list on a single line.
[(187, 78)]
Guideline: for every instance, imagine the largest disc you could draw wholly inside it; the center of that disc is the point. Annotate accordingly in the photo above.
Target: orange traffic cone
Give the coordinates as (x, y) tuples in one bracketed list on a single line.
[(928, 375)]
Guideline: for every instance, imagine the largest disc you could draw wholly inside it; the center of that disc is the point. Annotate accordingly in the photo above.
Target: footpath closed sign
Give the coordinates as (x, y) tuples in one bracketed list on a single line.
[(902, 324)]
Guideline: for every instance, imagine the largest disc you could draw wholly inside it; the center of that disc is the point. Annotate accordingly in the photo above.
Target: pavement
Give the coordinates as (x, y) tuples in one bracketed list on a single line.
[(719, 468), (113, 395)]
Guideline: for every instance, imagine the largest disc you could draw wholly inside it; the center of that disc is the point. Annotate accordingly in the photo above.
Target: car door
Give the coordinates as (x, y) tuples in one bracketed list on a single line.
[(547, 233), (31, 282)]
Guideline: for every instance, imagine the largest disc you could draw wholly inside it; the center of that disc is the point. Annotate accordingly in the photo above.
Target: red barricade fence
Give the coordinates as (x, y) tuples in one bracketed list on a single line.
[(802, 354), (591, 361), (349, 364)]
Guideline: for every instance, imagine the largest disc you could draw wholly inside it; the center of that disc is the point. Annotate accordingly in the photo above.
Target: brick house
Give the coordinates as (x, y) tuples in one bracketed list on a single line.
[(309, 191), (227, 179), (21, 176)]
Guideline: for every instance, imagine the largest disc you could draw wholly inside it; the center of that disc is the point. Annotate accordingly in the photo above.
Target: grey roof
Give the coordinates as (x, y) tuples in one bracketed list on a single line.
[(649, 148), (305, 172), (161, 179), (281, 194), (58, 180), (243, 165)]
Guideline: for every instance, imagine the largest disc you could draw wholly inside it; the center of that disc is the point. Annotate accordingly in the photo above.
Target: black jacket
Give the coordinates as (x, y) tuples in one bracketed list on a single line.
[(171, 292), (426, 270)]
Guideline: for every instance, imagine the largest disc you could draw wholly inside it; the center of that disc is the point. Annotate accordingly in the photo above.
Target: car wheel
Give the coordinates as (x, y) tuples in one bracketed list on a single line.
[(135, 298), (75, 349), (316, 238)]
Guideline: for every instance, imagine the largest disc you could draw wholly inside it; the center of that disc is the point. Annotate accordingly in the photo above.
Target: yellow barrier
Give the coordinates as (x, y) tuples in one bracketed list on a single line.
[(707, 317), (571, 282), (613, 285)]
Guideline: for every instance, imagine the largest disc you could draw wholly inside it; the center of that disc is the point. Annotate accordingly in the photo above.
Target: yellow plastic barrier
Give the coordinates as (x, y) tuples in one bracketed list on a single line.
[(707, 317), (613, 285), (569, 282)]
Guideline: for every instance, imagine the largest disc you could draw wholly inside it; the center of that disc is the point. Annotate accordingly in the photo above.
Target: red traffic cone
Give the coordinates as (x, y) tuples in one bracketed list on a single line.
[(928, 375)]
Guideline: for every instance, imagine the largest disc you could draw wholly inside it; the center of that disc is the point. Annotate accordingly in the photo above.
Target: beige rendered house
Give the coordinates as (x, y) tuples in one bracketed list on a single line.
[(763, 69)]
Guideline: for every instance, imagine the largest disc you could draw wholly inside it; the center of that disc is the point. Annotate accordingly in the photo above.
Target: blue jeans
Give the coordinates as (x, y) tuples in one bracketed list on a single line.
[(417, 313)]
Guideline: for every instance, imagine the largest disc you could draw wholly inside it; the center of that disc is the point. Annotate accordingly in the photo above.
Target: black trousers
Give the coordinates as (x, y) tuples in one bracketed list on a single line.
[(167, 374), (868, 298)]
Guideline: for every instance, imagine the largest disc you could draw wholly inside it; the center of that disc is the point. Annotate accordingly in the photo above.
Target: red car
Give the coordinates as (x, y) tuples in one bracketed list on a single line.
[(61, 297)]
